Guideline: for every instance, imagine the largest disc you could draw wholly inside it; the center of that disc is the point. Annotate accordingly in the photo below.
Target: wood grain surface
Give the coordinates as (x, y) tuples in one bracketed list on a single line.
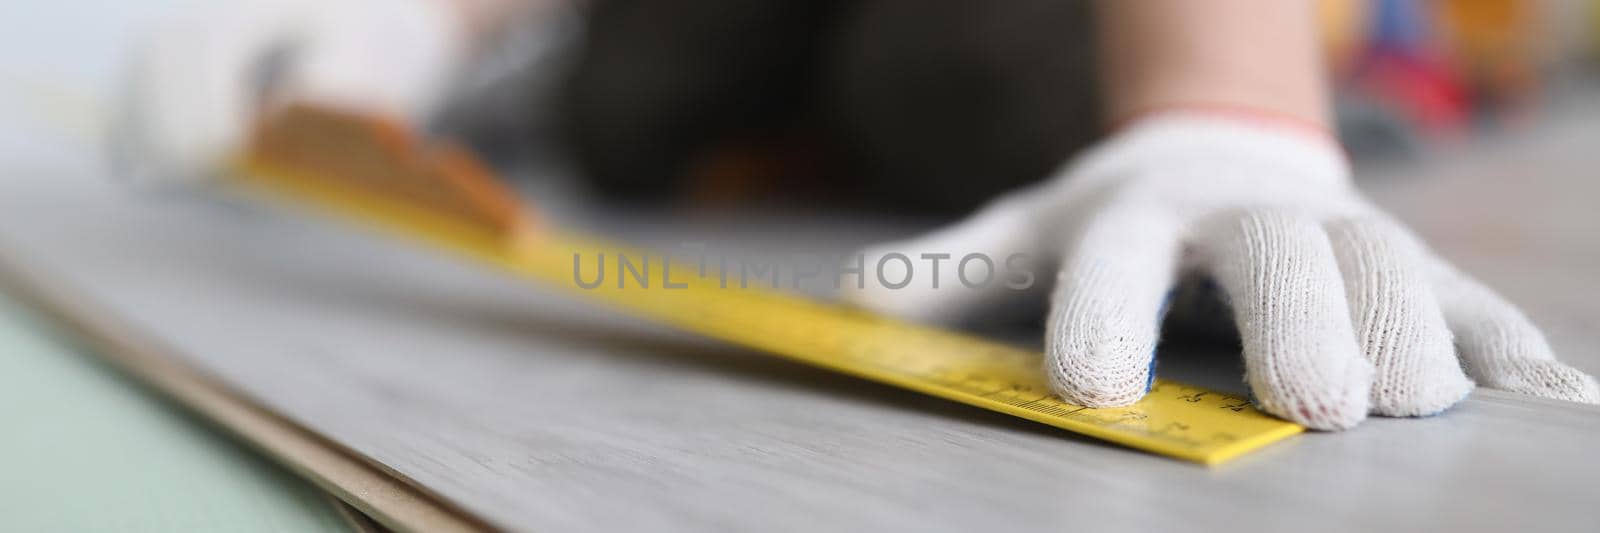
[(533, 411)]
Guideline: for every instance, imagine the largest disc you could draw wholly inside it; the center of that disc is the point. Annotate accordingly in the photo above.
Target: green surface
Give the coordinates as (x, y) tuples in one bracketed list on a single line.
[(84, 449)]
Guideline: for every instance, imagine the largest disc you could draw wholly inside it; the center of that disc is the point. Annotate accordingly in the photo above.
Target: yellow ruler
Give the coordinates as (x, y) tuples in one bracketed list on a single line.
[(371, 171)]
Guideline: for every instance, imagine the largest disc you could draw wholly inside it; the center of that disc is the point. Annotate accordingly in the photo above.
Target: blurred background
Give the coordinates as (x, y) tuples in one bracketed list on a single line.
[(933, 106), (925, 107)]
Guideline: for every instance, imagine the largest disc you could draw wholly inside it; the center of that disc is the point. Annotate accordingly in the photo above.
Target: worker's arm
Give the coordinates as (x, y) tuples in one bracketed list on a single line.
[(1158, 54), (485, 18), (1222, 169)]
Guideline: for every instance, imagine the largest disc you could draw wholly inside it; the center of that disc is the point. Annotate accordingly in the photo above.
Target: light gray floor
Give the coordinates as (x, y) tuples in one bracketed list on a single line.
[(536, 412)]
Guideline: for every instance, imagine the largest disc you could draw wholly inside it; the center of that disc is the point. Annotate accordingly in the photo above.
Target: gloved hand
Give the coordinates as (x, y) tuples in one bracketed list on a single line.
[(1341, 310), (197, 83)]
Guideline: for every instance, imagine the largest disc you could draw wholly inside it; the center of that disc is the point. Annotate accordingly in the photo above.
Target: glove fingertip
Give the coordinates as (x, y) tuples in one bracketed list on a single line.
[(1326, 406), (1110, 371), (1557, 381)]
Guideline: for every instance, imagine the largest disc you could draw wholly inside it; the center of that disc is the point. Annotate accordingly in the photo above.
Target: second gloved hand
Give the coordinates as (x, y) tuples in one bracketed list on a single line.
[(197, 82), (1342, 311)]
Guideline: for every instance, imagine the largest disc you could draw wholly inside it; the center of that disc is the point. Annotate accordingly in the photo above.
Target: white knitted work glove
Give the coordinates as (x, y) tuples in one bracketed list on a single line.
[(1342, 311), (197, 82)]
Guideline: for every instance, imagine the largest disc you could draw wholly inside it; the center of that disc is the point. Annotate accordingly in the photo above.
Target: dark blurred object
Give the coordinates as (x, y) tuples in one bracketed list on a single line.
[(915, 105)]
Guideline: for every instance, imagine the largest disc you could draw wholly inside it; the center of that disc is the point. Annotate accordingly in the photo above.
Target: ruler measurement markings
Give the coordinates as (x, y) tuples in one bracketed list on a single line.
[(945, 364)]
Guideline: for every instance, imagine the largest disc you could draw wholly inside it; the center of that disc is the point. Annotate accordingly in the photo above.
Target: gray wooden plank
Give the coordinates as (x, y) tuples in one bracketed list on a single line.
[(533, 411)]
